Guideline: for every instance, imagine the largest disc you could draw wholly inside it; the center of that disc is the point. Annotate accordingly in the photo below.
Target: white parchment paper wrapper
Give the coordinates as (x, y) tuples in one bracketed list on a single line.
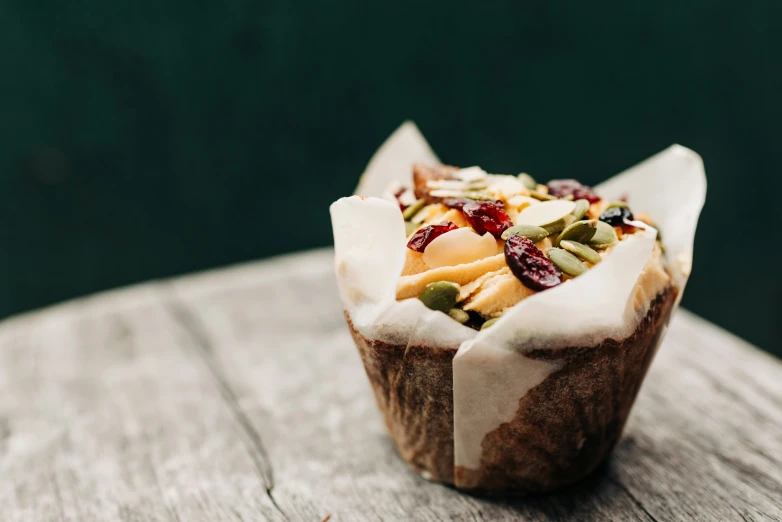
[(490, 371)]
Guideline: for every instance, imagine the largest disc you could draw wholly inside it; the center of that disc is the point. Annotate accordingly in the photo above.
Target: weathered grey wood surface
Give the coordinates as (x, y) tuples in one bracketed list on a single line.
[(238, 395)]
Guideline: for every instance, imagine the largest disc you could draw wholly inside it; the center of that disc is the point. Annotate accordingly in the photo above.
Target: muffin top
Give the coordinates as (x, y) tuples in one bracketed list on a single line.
[(479, 243)]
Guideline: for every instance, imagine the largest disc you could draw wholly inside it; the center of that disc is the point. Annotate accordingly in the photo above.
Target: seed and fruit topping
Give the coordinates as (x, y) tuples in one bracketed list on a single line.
[(581, 231), (476, 236), (413, 209), (421, 238), (546, 213), (530, 265), (617, 215), (562, 188), (582, 207), (566, 261), (531, 232), (605, 235), (485, 216), (581, 250), (440, 296), (457, 203)]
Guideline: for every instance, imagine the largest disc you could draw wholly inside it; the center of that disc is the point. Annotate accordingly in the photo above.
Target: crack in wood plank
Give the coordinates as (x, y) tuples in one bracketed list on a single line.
[(5, 434), (632, 497), (193, 327), (57, 496)]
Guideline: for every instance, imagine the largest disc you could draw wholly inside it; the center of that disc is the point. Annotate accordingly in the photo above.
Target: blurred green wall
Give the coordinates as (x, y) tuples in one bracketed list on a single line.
[(146, 139)]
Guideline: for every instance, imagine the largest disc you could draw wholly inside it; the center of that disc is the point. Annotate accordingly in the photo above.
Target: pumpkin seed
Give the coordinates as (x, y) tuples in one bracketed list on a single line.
[(528, 181), (545, 213), (459, 315), (410, 228), (582, 206), (581, 250), (413, 209), (566, 261), (556, 227), (541, 196), (488, 323), (531, 232), (617, 204), (604, 237), (581, 231), (440, 296)]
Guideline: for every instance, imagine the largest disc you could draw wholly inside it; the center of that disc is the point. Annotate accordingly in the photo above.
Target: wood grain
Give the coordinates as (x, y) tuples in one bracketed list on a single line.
[(238, 395)]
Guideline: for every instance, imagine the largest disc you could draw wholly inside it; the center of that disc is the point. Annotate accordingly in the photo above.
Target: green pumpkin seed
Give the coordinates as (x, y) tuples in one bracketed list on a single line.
[(582, 251), (605, 235), (528, 181), (582, 206), (617, 204), (541, 196), (531, 232), (556, 227), (413, 209), (488, 323), (410, 228), (478, 196), (581, 231), (566, 261), (459, 315), (440, 296)]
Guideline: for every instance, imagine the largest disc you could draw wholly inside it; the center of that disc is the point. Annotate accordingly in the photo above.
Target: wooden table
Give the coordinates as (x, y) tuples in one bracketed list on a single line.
[(238, 395)]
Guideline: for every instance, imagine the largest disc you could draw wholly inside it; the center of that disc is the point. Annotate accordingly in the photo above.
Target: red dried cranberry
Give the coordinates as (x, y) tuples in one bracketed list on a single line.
[(560, 188), (457, 203), (485, 216), (616, 216), (530, 265), (423, 236)]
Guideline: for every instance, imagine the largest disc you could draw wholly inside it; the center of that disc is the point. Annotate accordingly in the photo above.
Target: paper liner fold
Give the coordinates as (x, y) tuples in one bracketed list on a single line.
[(493, 377)]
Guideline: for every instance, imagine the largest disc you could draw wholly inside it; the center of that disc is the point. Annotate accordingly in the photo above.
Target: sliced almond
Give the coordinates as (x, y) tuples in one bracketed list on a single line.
[(459, 247), (545, 213), (471, 174), (446, 184)]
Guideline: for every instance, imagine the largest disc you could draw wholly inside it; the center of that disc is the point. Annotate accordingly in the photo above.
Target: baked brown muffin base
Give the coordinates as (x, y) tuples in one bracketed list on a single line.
[(563, 429)]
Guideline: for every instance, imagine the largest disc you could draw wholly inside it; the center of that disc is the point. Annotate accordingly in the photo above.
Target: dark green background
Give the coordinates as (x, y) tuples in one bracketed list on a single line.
[(146, 139)]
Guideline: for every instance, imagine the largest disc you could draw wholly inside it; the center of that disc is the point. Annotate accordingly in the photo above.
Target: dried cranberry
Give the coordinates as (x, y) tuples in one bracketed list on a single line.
[(457, 203), (530, 265), (616, 216), (561, 188), (485, 216), (423, 236)]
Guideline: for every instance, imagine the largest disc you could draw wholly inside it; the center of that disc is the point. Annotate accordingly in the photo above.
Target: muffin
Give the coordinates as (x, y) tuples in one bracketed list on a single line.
[(506, 325)]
